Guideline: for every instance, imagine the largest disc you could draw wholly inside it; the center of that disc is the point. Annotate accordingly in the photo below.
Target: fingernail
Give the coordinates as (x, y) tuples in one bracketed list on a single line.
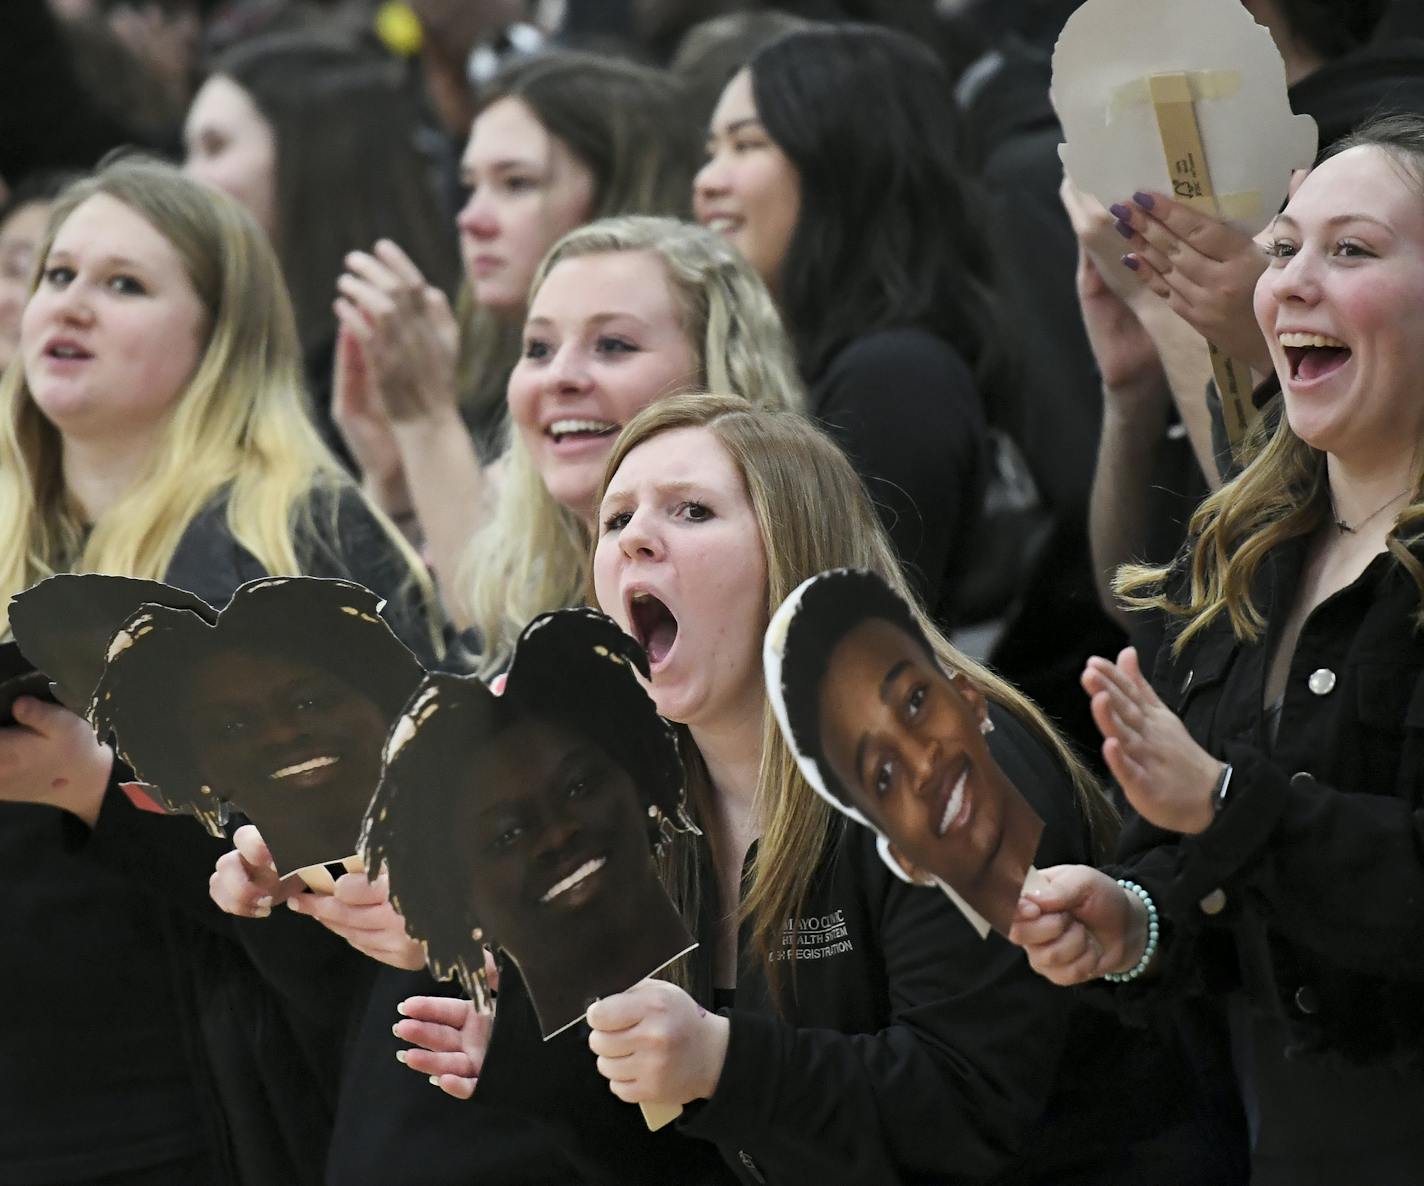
[(1130, 261), (1144, 200), (262, 912), (1123, 229), (292, 905), (264, 903), (401, 1009), (395, 1029), (400, 1056), (435, 1080), (1121, 212)]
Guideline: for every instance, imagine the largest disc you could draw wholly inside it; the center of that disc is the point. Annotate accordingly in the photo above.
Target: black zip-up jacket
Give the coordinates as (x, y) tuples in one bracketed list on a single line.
[(912, 1051)]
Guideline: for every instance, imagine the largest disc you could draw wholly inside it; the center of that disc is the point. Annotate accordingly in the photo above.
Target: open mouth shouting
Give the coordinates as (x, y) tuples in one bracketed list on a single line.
[(1313, 356), (953, 803), (576, 886), (653, 625)]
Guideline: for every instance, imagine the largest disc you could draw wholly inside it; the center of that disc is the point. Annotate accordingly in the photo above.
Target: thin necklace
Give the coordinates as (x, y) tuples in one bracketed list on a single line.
[(1347, 528)]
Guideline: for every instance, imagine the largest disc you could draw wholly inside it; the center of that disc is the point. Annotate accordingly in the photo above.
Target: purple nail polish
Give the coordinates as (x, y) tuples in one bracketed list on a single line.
[(1143, 200), (1130, 262), (1123, 229), (1120, 212)]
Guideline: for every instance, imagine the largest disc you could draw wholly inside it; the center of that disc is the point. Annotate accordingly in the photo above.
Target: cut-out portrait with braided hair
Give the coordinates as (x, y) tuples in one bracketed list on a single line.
[(891, 738), (529, 819), (280, 710), (64, 623)]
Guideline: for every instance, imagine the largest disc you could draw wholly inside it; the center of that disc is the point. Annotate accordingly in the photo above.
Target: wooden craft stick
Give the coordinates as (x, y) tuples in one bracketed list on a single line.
[(660, 1115), (1173, 101)]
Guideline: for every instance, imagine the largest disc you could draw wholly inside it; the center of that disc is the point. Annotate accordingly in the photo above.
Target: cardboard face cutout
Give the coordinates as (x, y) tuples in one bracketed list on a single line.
[(888, 737), (280, 709), (1122, 67), (528, 819), (64, 625)]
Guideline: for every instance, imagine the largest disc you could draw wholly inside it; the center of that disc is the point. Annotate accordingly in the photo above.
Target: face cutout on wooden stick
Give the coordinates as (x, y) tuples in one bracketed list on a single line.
[(1118, 61), (528, 819), (279, 709), (888, 737)]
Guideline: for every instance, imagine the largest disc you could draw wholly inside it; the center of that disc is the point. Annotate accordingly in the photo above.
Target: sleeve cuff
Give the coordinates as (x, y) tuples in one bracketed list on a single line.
[(1237, 836), (740, 1102)]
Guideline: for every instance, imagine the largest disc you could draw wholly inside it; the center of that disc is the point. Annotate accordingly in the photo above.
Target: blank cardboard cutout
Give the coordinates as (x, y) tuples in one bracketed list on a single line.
[(1107, 50), (278, 708), (528, 819), (889, 738), (64, 625)]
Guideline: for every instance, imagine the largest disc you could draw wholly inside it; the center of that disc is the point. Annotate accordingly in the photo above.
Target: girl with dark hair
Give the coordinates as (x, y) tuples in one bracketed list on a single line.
[(833, 167), (289, 125)]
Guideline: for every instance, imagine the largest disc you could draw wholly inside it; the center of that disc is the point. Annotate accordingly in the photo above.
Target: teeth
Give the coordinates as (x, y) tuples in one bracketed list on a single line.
[(303, 767), (563, 428), (587, 869), (66, 352), (723, 224), (1295, 339), (955, 802)]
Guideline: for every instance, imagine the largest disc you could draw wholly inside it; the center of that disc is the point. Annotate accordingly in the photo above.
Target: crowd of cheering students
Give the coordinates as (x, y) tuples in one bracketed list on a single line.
[(807, 297)]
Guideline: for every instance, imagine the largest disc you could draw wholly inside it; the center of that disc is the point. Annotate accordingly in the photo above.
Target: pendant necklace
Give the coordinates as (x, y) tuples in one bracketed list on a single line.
[(1347, 528)]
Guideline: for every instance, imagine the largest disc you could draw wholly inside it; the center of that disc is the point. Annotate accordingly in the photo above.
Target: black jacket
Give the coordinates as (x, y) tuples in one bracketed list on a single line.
[(911, 1052), (1299, 913), (1322, 836), (904, 406)]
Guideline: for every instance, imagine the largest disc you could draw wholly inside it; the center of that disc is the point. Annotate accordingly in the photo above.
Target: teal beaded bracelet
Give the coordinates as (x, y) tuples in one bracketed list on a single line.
[(1151, 947)]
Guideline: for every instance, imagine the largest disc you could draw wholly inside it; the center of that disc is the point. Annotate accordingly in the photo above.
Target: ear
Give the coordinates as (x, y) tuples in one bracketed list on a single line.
[(973, 697), (912, 871)]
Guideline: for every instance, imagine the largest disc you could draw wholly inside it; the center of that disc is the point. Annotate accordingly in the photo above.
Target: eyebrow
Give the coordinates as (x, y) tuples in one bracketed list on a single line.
[(1338, 219), (887, 685), (596, 319), (737, 125), (467, 168), (109, 261)]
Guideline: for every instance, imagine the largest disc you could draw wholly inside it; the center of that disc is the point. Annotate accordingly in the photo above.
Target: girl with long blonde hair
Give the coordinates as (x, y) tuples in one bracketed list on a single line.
[(155, 426), (1272, 875), (864, 1031), (624, 313)]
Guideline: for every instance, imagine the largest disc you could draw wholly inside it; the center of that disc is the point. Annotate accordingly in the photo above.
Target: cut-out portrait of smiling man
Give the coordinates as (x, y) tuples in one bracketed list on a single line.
[(529, 819), (890, 738), (280, 710)]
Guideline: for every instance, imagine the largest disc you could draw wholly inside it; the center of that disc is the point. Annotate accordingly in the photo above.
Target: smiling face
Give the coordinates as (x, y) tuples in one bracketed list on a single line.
[(556, 834), (20, 236), (680, 565), (748, 190), (527, 190), (290, 744), (115, 329), (230, 146), (604, 339), (1341, 306), (905, 743)]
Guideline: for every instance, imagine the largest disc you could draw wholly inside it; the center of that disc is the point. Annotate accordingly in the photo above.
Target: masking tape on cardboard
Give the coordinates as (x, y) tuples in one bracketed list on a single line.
[(1196, 85)]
